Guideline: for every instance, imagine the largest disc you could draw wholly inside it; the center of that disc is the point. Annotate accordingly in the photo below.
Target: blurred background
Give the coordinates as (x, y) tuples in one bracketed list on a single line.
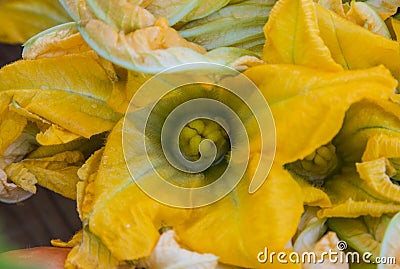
[(44, 216)]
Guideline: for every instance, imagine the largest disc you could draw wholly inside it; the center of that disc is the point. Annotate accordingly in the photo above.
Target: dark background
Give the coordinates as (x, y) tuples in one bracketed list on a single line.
[(44, 216)]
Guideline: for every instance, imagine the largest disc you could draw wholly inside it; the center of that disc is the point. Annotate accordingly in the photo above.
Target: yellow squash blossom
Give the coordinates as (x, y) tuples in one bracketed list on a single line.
[(22, 19)]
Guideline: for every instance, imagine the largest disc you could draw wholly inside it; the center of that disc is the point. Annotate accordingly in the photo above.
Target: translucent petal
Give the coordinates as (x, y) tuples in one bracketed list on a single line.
[(327, 243), (57, 41), (169, 254), (205, 8), (173, 11), (11, 193), (364, 15), (309, 237), (122, 15), (385, 8), (390, 243), (229, 25), (356, 233)]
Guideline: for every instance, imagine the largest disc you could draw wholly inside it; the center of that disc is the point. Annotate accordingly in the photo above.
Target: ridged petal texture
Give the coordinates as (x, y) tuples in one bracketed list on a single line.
[(54, 115), (301, 100), (21, 19), (127, 221), (329, 77)]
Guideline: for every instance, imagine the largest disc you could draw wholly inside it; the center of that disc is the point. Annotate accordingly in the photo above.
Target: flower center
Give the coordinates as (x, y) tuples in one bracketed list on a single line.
[(192, 136), (318, 165)]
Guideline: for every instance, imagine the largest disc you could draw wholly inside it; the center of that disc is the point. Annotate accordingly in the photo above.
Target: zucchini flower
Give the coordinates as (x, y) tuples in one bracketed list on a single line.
[(350, 155)]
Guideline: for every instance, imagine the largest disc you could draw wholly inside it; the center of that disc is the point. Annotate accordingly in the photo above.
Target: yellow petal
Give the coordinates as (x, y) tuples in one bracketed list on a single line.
[(86, 146), (142, 50), (122, 15), (55, 135), (345, 40), (22, 19), (11, 193), (384, 146), (353, 209), (312, 196), (77, 9), (74, 241), (124, 90), (11, 127), (333, 5), (90, 254), (363, 120), (234, 225), (375, 174), (85, 187), (242, 229), (381, 145), (305, 118), (293, 37), (116, 195), (57, 173), (70, 91), (18, 139), (57, 41), (21, 177), (385, 8), (365, 16), (351, 196)]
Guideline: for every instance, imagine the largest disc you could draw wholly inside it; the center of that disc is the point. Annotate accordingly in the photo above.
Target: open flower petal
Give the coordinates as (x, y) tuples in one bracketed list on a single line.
[(57, 41), (54, 89), (344, 40), (301, 101), (363, 121), (20, 20), (293, 37)]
